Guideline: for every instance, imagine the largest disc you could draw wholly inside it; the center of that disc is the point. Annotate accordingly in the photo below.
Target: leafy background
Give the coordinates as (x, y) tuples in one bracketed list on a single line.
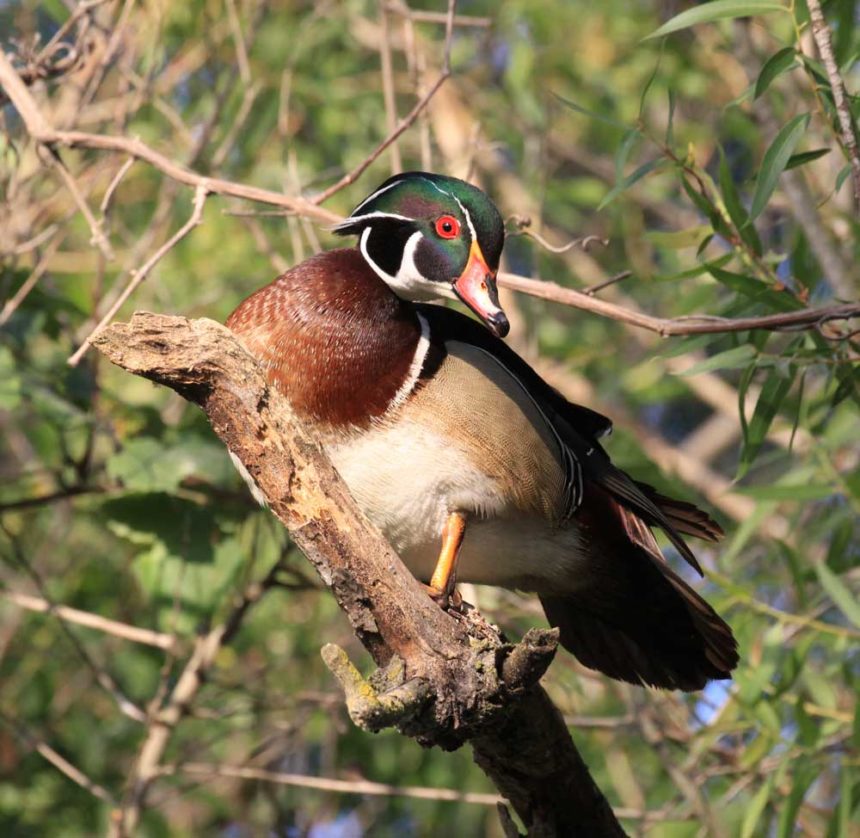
[(711, 161)]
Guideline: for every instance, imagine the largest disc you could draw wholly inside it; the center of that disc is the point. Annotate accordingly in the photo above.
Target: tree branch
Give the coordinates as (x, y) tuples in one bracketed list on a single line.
[(821, 33), (693, 324), (470, 685), (41, 131)]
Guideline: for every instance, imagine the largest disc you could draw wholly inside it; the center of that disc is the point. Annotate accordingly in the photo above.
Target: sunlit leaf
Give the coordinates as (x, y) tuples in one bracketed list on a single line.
[(798, 493), (736, 358), (142, 466), (844, 598), (716, 10)]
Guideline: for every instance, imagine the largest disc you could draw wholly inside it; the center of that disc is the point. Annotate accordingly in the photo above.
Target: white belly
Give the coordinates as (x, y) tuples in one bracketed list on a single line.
[(408, 479)]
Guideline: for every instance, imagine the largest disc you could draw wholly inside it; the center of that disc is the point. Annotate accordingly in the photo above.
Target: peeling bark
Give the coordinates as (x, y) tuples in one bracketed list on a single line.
[(444, 680)]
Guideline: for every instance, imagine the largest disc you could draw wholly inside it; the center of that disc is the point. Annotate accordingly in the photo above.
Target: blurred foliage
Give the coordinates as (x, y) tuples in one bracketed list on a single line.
[(710, 159)]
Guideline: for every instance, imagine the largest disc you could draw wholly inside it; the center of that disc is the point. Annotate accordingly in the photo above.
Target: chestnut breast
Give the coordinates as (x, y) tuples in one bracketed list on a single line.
[(332, 337)]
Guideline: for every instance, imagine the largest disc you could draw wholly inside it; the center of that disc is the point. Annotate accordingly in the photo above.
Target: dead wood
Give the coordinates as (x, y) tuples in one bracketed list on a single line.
[(443, 680)]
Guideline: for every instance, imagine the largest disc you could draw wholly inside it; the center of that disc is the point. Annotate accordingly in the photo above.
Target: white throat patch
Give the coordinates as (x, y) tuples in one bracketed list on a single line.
[(408, 282)]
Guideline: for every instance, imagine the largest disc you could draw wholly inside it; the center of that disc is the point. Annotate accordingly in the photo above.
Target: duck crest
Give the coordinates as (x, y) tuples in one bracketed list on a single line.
[(334, 339)]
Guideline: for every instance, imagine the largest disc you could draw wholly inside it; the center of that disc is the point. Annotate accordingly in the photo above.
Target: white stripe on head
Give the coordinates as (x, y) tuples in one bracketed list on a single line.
[(352, 219), (376, 194), (437, 187), (459, 204), (408, 282), (468, 220)]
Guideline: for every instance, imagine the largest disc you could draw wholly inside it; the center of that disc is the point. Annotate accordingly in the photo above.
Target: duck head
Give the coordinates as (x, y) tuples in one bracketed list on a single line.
[(429, 236)]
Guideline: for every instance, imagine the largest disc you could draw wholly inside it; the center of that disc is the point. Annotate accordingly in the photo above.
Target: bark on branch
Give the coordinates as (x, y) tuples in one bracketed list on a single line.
[(443, 680)]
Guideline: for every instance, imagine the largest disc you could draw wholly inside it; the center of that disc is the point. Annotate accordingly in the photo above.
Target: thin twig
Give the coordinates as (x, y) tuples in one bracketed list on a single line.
[(694, 324), (90, 620), (330, 784), (591, 290), (102, 677), (239, 40), (522, 225), (164, 721), (57, 760), (43, 132), (437, 17), (821, 33), (114, 183), (405, 123), (388, 87), (365, 787), (138, 276), (12, 304), (40, 130), (33, 243), (98, 234), (248, 98)]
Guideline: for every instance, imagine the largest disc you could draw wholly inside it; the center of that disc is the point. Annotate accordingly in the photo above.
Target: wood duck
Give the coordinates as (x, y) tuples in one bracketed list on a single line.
[(474, 467)]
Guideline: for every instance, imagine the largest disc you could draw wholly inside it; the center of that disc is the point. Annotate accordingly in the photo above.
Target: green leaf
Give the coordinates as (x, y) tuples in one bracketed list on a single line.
[(840, 822), (773, 392), (842, 177), (623, 152), (10, 381), (737, 211), (805, 157), (633, 177), (707, 208), (775, 160), (143, 466), (643, 98), (679, 239), (755, 809), (743, 385), (777, 64), (670, 123), (717, 10), (593, 114), (148, 465), (803, 774), (802, 492), (183, 555), (839, 592), (731, 359), (754, 289)]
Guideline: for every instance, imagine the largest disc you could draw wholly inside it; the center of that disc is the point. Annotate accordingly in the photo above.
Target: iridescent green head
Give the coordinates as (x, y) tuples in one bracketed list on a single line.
[(429, 236)]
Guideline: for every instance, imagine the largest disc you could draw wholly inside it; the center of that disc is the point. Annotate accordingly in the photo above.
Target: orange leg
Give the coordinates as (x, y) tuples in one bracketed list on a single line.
[(445, 575)]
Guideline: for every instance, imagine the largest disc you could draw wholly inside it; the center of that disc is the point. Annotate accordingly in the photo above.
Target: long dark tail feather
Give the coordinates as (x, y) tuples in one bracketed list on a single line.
[(645, 625), (685, 517)]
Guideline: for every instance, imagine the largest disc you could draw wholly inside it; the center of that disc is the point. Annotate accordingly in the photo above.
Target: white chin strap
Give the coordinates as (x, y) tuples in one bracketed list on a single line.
[(408, 282)]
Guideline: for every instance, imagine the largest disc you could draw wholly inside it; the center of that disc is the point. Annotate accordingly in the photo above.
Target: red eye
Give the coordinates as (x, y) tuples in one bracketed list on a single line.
[(447, 227)]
